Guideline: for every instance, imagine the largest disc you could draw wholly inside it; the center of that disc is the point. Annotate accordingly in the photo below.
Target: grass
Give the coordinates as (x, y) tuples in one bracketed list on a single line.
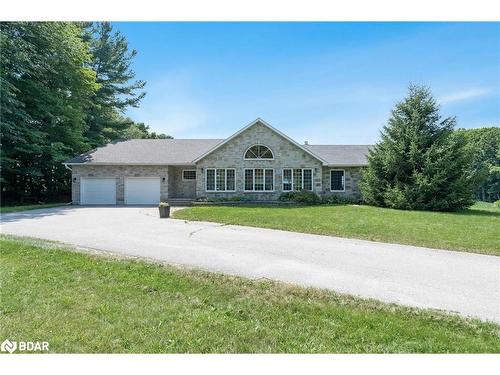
[(24, 207), (83, 303), (474, 230)]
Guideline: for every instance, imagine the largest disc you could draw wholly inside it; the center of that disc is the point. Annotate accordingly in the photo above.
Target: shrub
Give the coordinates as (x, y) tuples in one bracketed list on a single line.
[(237, 198), (337, 199), (286, 197), (497, 204), (303, 196)]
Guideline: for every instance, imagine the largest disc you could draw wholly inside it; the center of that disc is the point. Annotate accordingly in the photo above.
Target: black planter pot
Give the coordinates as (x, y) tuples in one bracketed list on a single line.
[(164, 211)]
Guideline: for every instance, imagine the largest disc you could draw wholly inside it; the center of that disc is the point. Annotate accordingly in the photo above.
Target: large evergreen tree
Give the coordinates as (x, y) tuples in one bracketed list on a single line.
[(419, 164), (118, 89)]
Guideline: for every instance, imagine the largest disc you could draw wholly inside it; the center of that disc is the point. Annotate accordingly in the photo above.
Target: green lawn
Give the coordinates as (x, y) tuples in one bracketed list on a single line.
[(83, 303), (474, 230), (24, 207)]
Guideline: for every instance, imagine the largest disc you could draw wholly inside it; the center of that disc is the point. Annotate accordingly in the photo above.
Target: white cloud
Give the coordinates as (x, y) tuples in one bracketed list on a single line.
[(464, 95)]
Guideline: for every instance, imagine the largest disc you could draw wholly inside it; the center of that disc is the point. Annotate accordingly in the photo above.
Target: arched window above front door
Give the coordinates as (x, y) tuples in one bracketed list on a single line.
[(259, 152)]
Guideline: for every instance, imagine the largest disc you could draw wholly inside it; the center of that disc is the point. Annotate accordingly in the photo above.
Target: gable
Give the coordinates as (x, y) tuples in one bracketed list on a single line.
[(233, 150), (260, 132)]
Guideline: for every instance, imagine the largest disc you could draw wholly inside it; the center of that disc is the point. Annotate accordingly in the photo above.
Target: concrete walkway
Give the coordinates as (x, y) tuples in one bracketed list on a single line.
[(465, 283)]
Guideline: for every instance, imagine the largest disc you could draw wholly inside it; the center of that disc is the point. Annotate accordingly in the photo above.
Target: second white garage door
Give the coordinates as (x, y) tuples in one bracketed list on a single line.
[(142, 190)]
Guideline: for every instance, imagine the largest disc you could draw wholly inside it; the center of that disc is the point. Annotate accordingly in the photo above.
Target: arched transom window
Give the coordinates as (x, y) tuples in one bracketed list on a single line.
[(259, 152)]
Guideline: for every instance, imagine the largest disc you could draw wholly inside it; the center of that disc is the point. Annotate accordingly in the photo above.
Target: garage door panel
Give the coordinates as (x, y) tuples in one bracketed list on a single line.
[(142, 190), (98, 191)]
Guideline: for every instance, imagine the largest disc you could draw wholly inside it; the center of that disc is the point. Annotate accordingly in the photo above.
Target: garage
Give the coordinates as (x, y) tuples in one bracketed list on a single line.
[(98, 191), (142, 190)]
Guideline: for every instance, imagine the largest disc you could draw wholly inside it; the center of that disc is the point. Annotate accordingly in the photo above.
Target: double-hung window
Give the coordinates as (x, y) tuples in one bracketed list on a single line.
[(337, 180), (297, 179), (219, 179), (259, 179)]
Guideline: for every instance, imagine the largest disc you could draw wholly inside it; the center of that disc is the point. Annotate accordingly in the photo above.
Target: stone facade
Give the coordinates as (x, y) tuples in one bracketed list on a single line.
[(177, 186), (229, 155), (352, 176), (119, 172)]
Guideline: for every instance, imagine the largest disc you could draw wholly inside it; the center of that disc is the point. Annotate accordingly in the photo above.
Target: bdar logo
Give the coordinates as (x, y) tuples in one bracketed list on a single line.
[(8, 346)]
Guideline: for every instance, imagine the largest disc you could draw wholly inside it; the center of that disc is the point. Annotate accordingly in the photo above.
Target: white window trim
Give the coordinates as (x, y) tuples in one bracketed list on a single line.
[(189, 179), (343, 180), (253, 180), (258, 144), (302, 178), (215, 180)]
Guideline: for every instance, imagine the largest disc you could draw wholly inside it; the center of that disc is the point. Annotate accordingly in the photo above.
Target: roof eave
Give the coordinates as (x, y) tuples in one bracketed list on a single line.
[(345, 165), (130, 163)]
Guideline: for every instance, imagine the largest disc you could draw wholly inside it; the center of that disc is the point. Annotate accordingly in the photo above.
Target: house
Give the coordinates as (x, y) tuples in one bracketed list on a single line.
[(258, 162)]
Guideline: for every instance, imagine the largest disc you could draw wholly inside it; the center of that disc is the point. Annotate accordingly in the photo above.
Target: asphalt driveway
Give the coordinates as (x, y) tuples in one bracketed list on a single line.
[(465, 283)]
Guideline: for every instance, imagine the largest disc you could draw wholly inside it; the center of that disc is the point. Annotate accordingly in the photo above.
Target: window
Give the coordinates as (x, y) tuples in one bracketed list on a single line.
[(248, 179), (287, 179), (219, 179), (230, 179), (337, 180), (259, 152), (259, 179), (297, 179), (269, 180), (210, 183), (307, 179), (188, 174), (258, 183)]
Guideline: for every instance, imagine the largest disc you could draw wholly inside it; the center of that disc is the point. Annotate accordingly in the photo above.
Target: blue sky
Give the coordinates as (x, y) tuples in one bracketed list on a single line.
[(328, 83)]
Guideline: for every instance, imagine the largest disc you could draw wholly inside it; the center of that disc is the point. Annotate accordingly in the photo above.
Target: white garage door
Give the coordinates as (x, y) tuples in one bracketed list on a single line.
[(98, 191), (142, 190)]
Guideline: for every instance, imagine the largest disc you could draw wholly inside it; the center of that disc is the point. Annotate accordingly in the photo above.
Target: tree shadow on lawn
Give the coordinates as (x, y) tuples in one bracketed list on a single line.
[(476, 212)]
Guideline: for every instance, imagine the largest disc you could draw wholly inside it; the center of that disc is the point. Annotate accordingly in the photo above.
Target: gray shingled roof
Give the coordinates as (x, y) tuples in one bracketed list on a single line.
[(148, 151), (184, 151), (341, 154)]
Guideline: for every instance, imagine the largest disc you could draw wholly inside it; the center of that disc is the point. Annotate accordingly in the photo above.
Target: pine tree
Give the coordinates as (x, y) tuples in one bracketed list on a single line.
[(419, 163), (111, 61)]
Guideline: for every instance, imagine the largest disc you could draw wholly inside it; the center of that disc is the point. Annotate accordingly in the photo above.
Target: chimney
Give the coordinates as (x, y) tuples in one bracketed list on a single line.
[(306, 143)]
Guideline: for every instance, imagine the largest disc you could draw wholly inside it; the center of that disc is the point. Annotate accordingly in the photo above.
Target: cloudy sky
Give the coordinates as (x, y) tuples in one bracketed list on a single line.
[(327, 83)]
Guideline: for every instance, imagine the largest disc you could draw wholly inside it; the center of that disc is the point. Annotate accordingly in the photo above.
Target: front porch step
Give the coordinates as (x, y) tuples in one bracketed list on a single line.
[(180, 201)]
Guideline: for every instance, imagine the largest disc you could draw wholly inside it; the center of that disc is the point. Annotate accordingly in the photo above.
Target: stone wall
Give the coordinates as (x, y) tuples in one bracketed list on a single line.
[(119, 172), (179, 188), (231, 155), (352, 177)]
